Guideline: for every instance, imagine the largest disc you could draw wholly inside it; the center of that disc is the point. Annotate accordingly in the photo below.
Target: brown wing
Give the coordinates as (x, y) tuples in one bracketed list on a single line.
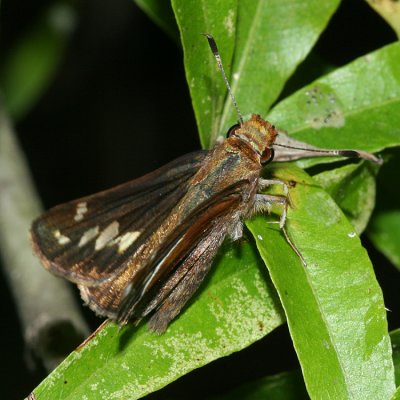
[(89, 240), (166, 283), (178, 290)]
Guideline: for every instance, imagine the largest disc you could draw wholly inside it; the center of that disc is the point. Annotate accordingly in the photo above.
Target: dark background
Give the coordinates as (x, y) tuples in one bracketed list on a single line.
[(118, 107)]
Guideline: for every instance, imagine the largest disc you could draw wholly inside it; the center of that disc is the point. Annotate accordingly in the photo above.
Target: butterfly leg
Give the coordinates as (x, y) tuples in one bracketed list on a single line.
[(264, 183), (264, 202)]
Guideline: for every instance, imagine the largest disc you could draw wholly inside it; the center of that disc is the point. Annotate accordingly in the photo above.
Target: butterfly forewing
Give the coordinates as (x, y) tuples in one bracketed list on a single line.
[(89, 240)]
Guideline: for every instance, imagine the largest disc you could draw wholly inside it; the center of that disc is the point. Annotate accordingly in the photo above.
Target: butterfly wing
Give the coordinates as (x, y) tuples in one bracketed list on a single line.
[(167, 280), (191, 271), (89, 240)]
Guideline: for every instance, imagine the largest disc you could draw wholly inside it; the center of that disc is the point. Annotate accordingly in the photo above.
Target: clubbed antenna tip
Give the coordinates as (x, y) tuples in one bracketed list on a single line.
[(214, 49)]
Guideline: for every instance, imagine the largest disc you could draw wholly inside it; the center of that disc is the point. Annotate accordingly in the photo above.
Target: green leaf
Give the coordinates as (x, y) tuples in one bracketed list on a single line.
[(353, 188), (357, 106), (236, 308), (26, 72), (384, 228), (396, 396), (207, 88), (334, 305), (384, 231), (395, 339), (270, 40), (160, 11), (273, 38), (290, 385), (284, 386)]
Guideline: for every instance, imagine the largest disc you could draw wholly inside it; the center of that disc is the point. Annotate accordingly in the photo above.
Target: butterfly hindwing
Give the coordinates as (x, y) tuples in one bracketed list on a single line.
[(184, 259), (187, 278)]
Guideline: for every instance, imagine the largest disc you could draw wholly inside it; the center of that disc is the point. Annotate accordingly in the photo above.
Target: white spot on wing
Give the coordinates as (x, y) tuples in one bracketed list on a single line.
[(109, 233), (126, 240), (81, 210), (61, 238), (351, 234), (88, 236)]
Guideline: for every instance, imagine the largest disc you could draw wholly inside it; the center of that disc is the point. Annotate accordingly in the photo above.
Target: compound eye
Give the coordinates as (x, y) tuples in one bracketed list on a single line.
[(232, 130), (267, 156)]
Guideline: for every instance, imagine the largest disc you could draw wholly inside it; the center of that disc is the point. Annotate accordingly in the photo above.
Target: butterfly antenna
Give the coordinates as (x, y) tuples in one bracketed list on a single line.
[(214, 49), (335, 152)]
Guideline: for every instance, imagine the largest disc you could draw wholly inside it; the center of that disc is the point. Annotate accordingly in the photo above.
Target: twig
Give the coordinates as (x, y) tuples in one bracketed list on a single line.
[(51, 321)]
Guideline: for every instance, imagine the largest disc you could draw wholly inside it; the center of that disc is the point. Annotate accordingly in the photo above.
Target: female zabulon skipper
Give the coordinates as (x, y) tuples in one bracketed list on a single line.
[(144, 247)]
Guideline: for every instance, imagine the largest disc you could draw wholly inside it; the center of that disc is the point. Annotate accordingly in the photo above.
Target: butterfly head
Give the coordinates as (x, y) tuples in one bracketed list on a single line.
[(257, 133)]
